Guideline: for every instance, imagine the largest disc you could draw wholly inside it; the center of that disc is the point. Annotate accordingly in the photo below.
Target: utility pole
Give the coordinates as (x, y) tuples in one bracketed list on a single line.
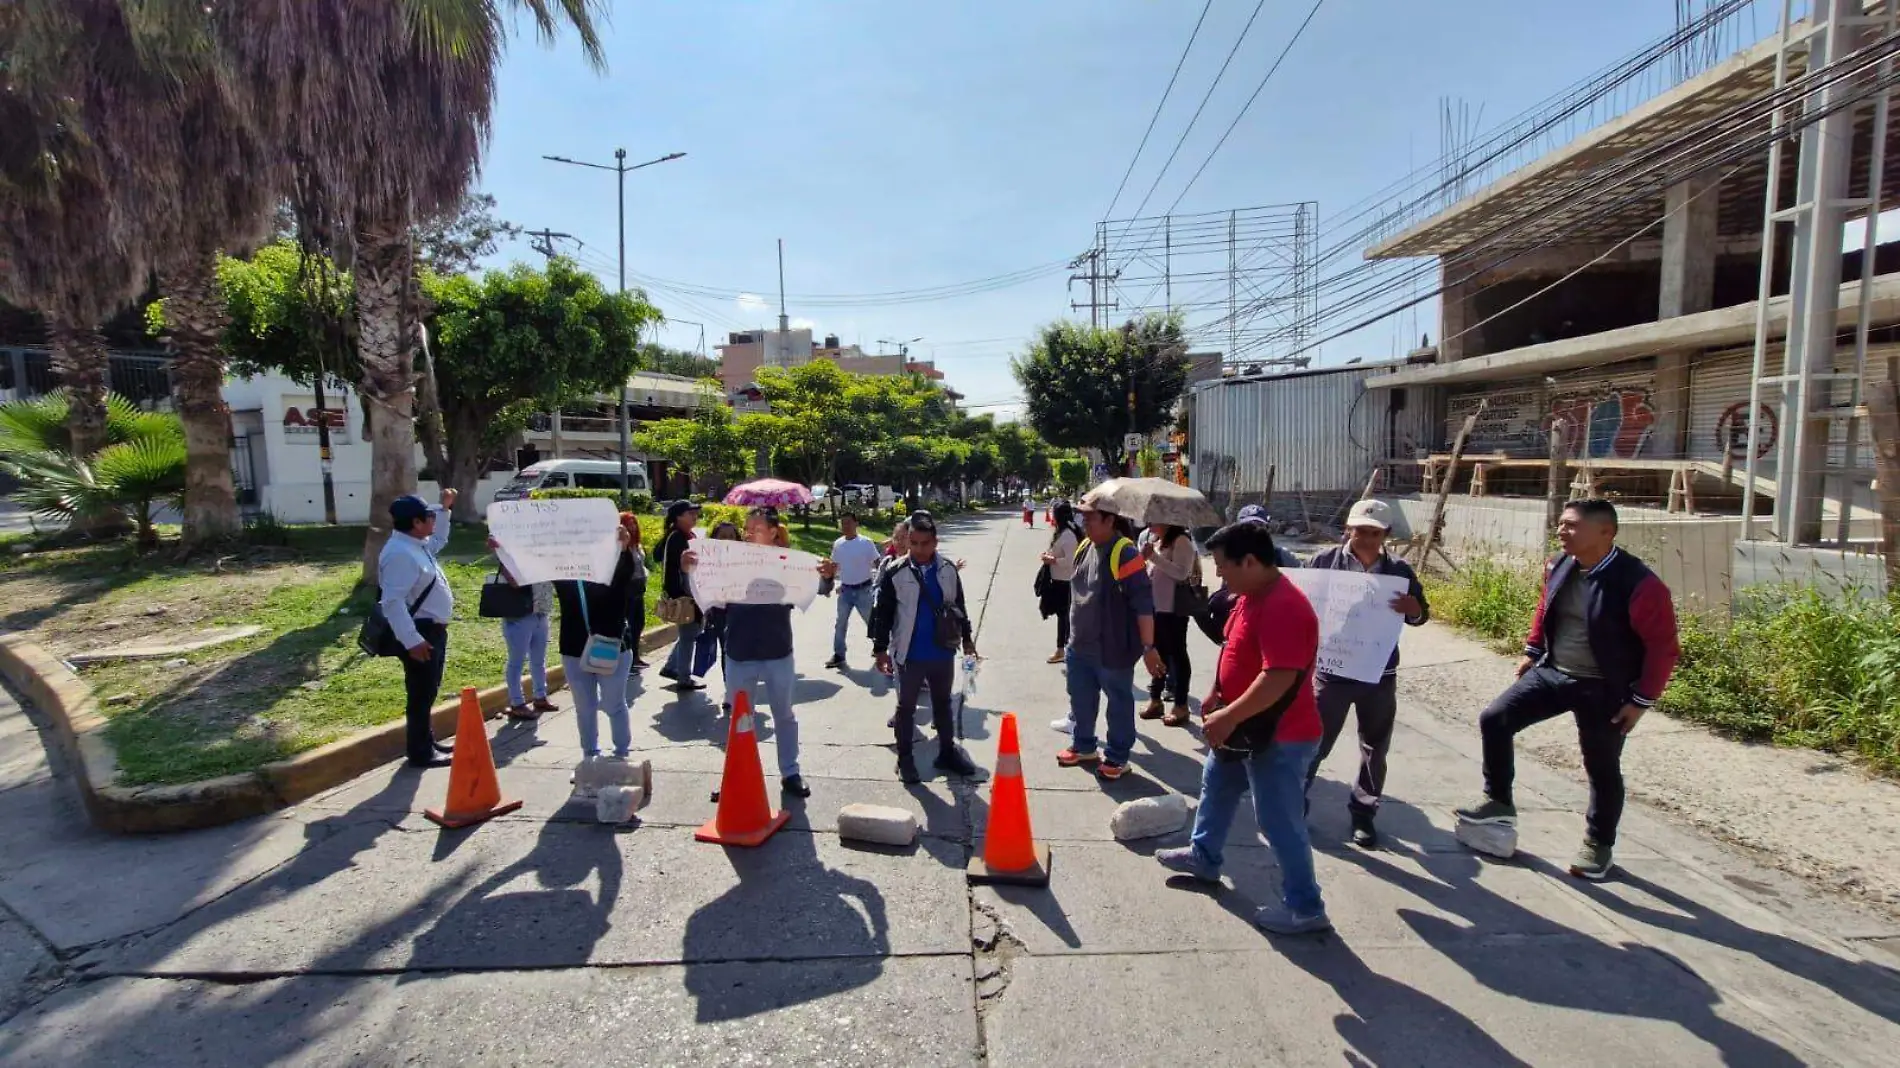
[(1098, 285), (544, 241), (620, 170), (784, 322)]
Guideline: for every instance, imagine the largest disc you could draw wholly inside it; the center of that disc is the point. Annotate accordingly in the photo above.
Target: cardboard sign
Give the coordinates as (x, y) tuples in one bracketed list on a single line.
[(737, 572), (1357, 627), (545, 541)]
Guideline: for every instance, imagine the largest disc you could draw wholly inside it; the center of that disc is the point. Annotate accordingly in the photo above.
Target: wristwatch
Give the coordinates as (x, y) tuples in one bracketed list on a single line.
[(1147, 649)]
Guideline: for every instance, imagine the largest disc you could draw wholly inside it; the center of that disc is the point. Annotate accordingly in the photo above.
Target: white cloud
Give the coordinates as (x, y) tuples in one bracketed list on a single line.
[(803, 324), (752, 304)]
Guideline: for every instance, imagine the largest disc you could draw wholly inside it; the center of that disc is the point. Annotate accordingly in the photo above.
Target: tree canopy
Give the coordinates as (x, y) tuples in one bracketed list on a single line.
[(1086, 387)]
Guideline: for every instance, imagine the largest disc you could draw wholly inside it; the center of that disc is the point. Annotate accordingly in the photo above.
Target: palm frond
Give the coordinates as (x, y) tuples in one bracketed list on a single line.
[(37, 424), (148, 469)]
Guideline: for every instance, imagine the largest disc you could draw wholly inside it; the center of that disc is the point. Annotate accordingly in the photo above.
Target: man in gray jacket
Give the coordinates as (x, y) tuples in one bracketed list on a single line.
[(918, 620), (1111, 626)]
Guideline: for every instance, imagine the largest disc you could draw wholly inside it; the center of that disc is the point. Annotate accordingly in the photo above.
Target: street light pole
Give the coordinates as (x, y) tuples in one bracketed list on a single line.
[(620, 170)]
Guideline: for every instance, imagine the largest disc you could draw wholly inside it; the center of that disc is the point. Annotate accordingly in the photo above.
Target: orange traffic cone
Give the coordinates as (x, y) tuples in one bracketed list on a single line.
[(745, 817), (474, 792), (1010, 852)]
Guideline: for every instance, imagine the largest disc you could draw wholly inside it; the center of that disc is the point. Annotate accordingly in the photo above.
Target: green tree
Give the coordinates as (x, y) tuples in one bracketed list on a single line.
[(820, 422), (708, 446), (457, 240), (140, 465), (1078, 382), (542, 336), (1072, 474), (667, 361)]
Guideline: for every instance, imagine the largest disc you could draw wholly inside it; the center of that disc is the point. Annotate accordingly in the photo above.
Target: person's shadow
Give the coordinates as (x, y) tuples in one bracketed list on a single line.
[(786, 904), (1572, 970), (556, 923)]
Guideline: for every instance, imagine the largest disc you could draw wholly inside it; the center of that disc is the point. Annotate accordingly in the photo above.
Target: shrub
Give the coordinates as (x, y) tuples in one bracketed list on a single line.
[(1496, 600), (264, 528), (641, 503)]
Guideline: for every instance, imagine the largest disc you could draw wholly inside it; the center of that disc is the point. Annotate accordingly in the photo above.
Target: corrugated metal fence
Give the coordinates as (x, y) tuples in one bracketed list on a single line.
[(1319, 431)]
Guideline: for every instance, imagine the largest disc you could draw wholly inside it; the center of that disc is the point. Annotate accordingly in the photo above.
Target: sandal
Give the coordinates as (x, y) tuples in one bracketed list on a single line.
[(1176, 717), (1153, 711)]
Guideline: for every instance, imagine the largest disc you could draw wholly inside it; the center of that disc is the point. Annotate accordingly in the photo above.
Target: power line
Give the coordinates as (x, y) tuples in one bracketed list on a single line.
[(1295, 39), (1218, 75), (1159, 104)]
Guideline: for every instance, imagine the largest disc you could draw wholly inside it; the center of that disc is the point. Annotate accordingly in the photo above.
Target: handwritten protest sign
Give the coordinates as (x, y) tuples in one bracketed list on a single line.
[(737, 572), (544, 541), (1357, 627)]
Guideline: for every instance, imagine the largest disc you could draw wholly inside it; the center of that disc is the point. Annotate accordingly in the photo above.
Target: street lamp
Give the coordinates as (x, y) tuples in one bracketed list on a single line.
[(903, 347), (620, 170)]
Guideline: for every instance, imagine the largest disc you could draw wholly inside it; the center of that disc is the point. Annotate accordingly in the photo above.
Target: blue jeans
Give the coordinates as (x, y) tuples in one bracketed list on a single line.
[(774, 679), (527, 639), (1277, 776), (850, 599), (679, 664), (594, 694), (1088, 681)]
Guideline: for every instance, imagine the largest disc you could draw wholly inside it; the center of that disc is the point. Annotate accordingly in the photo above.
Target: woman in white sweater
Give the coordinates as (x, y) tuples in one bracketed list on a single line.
[(1061, 561), (1173, 562)]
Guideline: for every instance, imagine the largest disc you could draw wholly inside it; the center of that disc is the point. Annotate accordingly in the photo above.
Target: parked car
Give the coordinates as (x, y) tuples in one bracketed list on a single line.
[(573, 474)]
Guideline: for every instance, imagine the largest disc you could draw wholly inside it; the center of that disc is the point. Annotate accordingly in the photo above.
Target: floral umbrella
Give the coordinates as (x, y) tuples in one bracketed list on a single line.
[(769, 492)]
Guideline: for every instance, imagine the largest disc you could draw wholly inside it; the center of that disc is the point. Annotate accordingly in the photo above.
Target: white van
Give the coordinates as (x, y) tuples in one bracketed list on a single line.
[(574, 474)]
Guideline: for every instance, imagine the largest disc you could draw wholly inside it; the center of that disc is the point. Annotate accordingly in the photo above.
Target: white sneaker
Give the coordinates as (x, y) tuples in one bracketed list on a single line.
[(1062, 726)]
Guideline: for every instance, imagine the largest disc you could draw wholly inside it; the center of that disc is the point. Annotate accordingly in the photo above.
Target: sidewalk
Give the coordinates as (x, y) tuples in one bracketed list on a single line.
[(349, 930)]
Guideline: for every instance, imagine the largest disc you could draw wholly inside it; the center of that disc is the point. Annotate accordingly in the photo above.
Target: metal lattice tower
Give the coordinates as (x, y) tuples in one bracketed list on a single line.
[(1245, 280)]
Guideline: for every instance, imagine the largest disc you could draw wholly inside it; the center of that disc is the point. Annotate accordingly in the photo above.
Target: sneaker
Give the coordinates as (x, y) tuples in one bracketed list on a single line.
[(1069, 758), (1363, 834), (1278, 919), (795, 785), (907, 771), (1592, 861), (953, 760), (1111, 770), (1154, 710), (1062, 726), (1186, 861), (1488, 811), (835, 662)]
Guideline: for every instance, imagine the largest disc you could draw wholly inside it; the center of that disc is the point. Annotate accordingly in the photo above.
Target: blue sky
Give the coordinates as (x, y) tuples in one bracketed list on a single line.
[(899, 146)]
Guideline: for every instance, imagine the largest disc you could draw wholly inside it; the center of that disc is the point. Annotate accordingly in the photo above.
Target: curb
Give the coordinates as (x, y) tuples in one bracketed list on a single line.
[(79, 729)]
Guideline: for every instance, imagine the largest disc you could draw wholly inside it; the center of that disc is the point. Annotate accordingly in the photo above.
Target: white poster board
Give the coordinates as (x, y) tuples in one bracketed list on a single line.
[(1357, 627), (737, 572), (545, 541)]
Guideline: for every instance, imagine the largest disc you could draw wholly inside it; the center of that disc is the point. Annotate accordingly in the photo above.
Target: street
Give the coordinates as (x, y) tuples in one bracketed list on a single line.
[(349, 929)]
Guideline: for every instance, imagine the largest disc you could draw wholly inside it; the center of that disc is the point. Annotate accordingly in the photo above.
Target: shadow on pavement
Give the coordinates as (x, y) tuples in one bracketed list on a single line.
[(1870, 985), (1570, 969), (557, 922), (785, 877)]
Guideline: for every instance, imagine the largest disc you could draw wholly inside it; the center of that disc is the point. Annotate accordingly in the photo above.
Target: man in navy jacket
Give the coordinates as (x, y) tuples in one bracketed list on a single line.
[(1602, 646)]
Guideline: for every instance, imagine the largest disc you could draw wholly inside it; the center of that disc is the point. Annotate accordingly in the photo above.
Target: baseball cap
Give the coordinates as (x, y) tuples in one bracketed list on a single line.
[(408, 508), (1253, 513), (1370, 513)]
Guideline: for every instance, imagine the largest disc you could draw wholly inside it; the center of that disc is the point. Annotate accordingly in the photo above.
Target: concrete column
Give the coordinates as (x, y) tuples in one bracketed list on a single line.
[(1456, 315), (1688, 248), (1689, 244)]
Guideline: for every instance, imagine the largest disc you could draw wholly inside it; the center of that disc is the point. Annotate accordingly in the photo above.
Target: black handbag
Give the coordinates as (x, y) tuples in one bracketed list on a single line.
[(377, 638), (1042, 582), (505, 600), (1255, 735), (1190, 599)]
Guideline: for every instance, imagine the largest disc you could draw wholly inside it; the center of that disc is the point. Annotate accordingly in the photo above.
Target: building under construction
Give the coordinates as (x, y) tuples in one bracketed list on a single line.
[(1689, 306)]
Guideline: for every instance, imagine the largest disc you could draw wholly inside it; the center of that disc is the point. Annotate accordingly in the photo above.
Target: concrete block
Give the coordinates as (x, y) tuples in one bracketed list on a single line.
[(878, 824), (618, 771), (617, 804), (1492, 839), (1150, 817)]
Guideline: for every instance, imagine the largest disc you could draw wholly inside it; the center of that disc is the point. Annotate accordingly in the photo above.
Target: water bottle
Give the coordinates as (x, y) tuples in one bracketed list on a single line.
[(969, 674)]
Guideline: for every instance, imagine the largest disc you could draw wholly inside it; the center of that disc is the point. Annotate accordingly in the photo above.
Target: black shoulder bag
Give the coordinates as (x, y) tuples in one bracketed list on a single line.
[(377, 638)]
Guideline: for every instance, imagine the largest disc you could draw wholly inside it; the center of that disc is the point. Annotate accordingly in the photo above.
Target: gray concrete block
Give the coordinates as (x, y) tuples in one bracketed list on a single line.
[(877, 824), (1150, 817), (1492, 839)]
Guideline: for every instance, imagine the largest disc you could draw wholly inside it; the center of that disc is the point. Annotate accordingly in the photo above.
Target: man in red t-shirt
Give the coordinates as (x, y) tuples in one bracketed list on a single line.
[(1262, 727)]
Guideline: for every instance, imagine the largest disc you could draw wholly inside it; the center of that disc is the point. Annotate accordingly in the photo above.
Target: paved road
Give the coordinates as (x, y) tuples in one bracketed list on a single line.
[(349, 930)]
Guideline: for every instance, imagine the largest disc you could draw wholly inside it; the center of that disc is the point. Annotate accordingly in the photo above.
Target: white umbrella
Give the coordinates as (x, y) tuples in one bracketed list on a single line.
[(1148, 501)]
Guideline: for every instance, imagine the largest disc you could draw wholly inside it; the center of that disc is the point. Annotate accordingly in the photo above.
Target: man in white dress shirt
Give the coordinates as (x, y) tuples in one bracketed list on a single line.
[(854, 560), (418, 603)]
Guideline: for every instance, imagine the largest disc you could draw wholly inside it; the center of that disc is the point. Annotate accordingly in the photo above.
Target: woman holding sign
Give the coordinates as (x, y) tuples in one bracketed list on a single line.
[(681, 516), (595, 654), (759, 655)]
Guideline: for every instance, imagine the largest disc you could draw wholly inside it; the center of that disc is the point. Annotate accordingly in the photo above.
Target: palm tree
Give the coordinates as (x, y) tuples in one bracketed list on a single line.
[(384, 108), (141, 464)]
